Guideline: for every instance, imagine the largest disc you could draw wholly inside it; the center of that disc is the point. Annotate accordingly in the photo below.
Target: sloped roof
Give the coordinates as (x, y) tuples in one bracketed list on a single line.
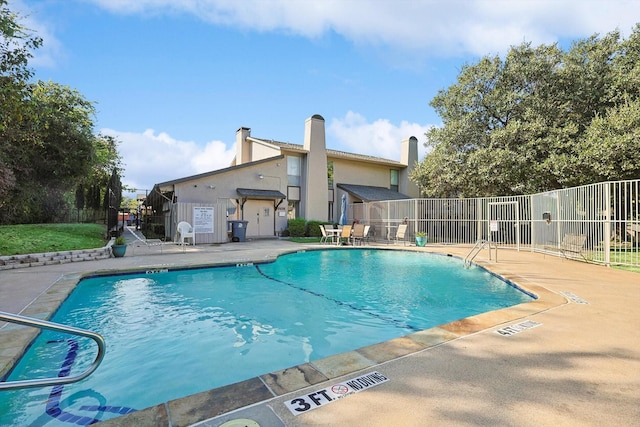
[(368, 193), (163, 185), (332, 153), (260, 194)]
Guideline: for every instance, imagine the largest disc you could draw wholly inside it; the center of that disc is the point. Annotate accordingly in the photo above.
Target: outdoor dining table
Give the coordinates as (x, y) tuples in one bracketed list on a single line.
[(333, 233)]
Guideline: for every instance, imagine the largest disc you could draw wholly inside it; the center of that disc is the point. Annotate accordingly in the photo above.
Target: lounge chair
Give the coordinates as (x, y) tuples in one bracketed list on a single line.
[(358, 233), (571, 244), (400, 233), (371, 233), (142, 242), (344, 234), (326, 235), (367, 230), (185, 231)]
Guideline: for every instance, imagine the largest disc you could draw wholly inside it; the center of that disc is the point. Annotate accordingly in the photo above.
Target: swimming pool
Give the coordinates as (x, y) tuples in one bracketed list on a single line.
[(239, 322)]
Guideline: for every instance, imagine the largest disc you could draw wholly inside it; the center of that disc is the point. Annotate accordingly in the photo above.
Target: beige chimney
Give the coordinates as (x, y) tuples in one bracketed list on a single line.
[(409, 158), (243, 147), (315, 198)]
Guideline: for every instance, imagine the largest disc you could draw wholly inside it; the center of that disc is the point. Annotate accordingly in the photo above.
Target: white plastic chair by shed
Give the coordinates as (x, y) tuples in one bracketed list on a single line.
[(185, 231)]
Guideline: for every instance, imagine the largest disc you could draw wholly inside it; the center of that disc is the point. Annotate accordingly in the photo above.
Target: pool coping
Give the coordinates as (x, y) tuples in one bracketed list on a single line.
[(219, 401)]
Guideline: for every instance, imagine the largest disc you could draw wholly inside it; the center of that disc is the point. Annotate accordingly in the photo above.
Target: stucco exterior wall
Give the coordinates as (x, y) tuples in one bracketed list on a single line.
[(263, 151), (220, 188), (348, 172)]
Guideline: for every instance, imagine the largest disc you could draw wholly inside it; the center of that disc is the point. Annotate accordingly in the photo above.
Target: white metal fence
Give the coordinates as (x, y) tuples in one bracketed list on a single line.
[(597, 223)]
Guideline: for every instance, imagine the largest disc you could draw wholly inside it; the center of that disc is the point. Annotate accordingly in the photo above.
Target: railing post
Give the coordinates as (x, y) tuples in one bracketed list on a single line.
[(607, 224)]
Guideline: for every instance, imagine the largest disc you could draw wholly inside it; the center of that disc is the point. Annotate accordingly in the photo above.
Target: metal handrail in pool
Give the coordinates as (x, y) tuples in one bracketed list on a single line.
[(43, 324), (475, 250)]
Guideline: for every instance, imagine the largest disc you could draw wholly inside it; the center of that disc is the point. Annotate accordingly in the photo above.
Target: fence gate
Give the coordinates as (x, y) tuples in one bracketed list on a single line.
[(504, 223)]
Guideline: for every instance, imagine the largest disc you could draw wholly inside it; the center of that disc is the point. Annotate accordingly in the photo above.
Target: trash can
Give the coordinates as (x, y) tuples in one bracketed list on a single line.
[(238, 230)]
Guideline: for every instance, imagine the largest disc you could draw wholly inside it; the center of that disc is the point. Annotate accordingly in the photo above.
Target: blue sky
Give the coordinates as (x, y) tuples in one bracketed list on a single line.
[(174, 79)]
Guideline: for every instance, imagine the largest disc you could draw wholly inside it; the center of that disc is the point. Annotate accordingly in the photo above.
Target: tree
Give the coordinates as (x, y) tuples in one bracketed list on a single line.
[(611, 147), (106, 159), (535, 120), (113, 199), (47, 144), (16, 44), (52, 154), (63, 122)]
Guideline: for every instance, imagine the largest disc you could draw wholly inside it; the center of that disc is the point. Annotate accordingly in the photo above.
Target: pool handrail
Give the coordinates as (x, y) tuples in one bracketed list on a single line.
[(43, 324), (475, 250)]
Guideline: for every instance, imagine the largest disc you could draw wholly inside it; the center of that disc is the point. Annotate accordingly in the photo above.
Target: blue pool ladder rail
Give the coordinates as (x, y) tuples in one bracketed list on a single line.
[(43, 324)]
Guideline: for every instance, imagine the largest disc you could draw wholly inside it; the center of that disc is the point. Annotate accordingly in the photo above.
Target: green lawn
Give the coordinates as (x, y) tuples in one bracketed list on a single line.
[(621, 256), (304, 239), (38, 238)]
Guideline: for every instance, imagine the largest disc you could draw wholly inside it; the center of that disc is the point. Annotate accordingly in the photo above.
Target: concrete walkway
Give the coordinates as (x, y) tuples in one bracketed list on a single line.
[(579, 366)]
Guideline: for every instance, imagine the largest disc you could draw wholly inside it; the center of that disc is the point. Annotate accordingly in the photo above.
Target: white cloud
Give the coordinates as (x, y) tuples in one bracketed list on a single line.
[(49, 54), (150, 158), (378, 138), (455, 27)]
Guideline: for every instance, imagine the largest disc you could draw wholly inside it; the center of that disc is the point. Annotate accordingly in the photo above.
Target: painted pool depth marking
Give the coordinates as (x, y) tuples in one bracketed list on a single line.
[(574, 298), (308, 402), (517, 328)]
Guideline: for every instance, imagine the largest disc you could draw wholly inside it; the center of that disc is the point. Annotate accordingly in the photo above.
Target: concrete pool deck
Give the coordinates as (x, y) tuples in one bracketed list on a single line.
[(579, 366)]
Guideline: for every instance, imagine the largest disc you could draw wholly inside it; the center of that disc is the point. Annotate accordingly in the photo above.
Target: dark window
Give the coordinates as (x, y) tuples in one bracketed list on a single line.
[(394, 180)]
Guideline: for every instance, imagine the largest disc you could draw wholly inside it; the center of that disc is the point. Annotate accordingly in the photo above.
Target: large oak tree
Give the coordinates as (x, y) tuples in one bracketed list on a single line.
[(538, 119)]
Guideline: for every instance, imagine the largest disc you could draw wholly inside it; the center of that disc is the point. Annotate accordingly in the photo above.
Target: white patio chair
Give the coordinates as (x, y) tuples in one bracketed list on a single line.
[(185, 231), (325, 237)]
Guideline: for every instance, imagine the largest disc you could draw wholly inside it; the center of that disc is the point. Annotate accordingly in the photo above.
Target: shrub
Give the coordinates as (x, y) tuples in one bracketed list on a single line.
[(297, 227), (313, 229)]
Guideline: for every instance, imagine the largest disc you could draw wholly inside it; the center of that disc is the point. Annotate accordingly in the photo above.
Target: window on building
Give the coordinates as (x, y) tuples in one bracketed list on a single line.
[(394, 180), (294, 170), (330, 173)]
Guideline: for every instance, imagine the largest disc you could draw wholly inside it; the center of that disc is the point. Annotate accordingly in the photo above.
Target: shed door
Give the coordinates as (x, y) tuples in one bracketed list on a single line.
[(260, 215)]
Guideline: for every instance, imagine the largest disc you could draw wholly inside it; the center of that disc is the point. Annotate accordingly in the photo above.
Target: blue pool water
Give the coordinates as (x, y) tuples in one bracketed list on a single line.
[(175, 333)]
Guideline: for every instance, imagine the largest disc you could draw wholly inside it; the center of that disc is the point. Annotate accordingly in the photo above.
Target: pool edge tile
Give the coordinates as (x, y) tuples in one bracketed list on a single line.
[(392, 349), (342, 364), (212, 403), (154, 416), (433, 336), (291, 379)]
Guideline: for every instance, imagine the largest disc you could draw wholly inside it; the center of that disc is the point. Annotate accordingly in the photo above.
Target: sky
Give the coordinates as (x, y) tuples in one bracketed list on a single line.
[(173, 80)]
